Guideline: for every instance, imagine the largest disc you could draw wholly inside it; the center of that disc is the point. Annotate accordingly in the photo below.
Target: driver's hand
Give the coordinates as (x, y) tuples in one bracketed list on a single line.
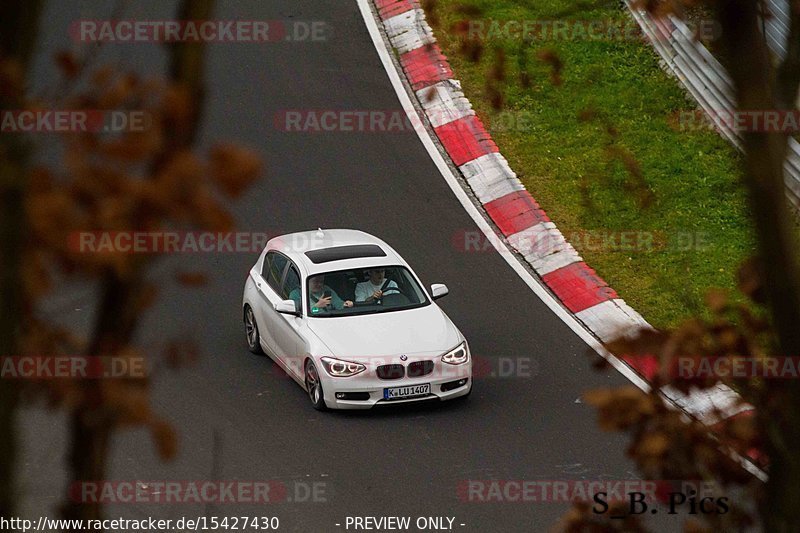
[(377, 295), (325, 301), (348, 303)]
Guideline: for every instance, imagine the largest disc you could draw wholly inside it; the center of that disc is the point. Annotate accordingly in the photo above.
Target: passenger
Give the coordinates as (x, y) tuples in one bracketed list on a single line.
[(317, 291), (373, 289)]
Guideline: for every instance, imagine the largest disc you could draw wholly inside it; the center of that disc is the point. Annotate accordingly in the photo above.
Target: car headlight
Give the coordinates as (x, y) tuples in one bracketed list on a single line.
[(341, 369), (457, 356)]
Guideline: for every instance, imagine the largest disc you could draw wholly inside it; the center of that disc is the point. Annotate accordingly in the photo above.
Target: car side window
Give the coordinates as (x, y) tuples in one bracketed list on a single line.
[(291, 286), (274, 265)]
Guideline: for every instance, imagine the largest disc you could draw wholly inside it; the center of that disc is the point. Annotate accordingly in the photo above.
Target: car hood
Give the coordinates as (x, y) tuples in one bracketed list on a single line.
[(423, 330)]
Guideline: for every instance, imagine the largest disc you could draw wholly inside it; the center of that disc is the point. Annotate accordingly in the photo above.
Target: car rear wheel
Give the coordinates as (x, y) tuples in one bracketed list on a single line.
[(251, 330), (314, 386)]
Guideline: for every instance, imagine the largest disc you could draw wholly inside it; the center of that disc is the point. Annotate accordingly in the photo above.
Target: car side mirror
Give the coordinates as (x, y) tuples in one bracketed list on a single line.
[(438, 290), (287, 307)]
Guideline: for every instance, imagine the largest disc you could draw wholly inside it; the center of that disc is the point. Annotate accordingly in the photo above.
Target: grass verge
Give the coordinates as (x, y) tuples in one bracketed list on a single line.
[(658, 212)]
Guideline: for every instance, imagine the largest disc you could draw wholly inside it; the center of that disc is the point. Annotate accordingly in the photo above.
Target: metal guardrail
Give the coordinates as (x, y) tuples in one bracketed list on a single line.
[(708, 81), (776, 26)]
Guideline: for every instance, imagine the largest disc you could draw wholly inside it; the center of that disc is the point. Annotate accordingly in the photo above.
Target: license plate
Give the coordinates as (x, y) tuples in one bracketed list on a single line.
[(408, 391)]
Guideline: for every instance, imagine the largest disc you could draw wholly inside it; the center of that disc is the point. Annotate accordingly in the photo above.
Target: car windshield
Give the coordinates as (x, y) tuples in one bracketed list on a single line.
[(363, 291)]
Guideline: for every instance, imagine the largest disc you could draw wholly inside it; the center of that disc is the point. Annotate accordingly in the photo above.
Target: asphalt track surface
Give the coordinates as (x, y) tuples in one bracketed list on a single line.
[(240, 418)]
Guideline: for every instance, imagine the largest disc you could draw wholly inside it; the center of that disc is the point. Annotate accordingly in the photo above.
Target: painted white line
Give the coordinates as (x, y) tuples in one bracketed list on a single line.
[(535, 285)]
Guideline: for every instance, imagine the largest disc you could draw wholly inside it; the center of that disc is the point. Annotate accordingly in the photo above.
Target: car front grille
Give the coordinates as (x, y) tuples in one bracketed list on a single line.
[(420, 368), (391, 371)]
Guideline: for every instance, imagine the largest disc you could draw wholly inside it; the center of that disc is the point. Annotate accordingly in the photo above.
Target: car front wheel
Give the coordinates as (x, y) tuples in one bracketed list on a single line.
[(314, 386)]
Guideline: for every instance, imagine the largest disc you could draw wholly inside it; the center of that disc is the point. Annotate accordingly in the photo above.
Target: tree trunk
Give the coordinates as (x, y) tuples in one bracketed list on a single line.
[(18, 26), (117, 316), (765, 153)]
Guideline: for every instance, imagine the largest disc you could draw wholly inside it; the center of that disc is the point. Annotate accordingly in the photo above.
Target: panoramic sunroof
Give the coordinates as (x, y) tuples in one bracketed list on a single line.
[(326, 255)]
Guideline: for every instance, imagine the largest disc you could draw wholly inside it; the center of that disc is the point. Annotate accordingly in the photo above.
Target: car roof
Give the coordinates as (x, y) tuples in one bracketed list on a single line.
[(334, 249)]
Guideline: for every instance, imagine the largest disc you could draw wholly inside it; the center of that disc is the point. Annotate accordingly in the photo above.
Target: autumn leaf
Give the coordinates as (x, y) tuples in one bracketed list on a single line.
[(191, 279), (11, 79), (234, 168), (716, 300), (749, 279), (653, 444), (179, 353), (118, 91), (68, 64), (165, 439), (551, 58)]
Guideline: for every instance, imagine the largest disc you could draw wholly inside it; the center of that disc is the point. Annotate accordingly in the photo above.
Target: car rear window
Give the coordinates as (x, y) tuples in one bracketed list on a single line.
[(338, 253)]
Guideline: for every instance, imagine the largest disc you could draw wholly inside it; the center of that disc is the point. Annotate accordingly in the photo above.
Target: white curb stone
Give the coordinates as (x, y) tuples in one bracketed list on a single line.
[(491, 177), (610, 318), (544, 247), (409, 31), (710, 406), (444, 102)]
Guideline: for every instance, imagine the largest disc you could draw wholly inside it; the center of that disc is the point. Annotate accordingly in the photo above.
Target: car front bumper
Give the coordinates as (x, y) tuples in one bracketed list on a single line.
[(446, 382)]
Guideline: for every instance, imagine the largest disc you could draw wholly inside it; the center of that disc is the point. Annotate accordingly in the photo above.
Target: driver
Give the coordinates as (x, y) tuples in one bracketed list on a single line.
[(320, 295), (373, 289)]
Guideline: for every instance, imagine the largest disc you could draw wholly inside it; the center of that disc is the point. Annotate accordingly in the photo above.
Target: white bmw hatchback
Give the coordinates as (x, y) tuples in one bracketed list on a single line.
[(345, 316)]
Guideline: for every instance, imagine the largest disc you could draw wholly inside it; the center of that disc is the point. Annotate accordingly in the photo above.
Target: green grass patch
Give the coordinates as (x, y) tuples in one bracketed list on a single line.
[(573, 145)]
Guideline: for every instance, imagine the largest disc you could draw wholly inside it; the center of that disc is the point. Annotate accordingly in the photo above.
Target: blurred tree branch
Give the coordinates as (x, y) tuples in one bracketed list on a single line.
[(758, 88), (120, 305), (18, 30)]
